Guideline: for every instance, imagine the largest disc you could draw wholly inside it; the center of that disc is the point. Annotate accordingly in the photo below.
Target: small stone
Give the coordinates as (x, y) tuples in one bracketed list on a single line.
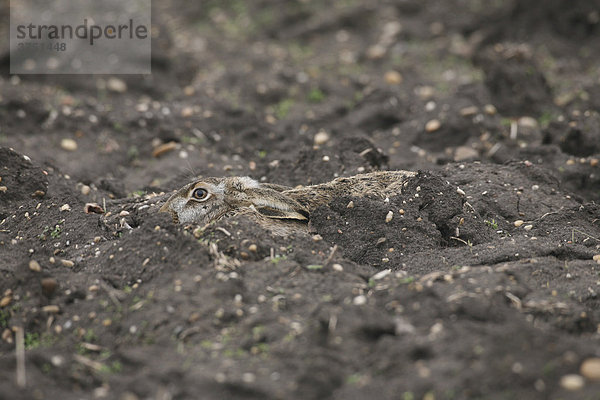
[(463, 153), (51, 309), (3, 189), (85, 190), (518, 223), (163, 149), (317, 238), (528, 122), (65, 207), (116, 85), (253, 248), (350, 204), (528, 227), (393, 77), (49, 286), (337, 267), (433, 125), (187, 112), (401, 211), (35, 266), (425, 92), (572, 382), (107, 322), (389, 216), (359, 300), (326, 158), (376, 51), (124, 213), (571, 162), (7, 335), (593, 162), (321, 138), (490, 109), (596, 258), (460, 191), (468, 111), (5, 301), (590, 369), (93, 208), (68, 144), (67, 263), (38, 193)]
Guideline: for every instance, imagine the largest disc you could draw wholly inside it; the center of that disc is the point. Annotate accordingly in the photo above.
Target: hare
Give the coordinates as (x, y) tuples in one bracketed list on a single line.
[(279, 208)]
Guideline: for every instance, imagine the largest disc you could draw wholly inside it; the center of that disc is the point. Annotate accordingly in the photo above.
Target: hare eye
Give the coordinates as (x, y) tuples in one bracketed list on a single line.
[(200, 194)]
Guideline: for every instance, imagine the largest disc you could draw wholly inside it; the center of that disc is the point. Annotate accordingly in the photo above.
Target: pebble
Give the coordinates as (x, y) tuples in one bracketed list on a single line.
[(49, 286), (593, 162), (572, 382), (163, 149), (393, 77), (590, 369), (124, 213), (187, 112), (253, 248), (51, 309), (68, 144), (34, 266), (67, 263), (463, 153), (359, 300), (65, 207), (5, 301), (3, 189), (326, 158), (85, 190), (389, 216), (94, 208), (490, 109), (460, 191), (350, 204), (518, 223), (337, 267), (528, 122), (321, 138), (468, 111), (433, 125), (596, 258), (7, 335), (528, 227), (116, 85)]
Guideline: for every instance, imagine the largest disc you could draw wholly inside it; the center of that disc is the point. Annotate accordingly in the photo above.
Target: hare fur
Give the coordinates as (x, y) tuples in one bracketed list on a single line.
[(276, 207)]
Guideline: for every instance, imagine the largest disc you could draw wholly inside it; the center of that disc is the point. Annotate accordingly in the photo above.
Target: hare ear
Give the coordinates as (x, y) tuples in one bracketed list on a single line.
[(277, 188), (273, 204), (276, 213)]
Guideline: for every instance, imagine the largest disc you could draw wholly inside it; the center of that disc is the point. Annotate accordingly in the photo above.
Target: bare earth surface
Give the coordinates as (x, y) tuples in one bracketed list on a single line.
[(483, 285)]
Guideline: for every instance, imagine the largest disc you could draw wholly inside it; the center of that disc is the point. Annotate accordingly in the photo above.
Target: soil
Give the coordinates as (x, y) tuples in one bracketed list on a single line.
[(483, 285)]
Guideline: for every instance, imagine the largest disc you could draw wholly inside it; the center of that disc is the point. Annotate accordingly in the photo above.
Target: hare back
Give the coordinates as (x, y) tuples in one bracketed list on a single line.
[(380, 183)]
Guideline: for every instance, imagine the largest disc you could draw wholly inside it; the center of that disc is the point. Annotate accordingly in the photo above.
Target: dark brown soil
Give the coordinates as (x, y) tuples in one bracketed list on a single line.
[(483, 285)]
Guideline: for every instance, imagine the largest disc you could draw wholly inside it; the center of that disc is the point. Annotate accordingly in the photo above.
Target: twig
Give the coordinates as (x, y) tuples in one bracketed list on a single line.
[(583, 233), (20, 353), (95, 365), (459, 239), (331, 255), (225, 231)]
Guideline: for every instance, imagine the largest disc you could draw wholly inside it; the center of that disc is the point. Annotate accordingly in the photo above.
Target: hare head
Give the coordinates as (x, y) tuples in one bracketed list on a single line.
[(209, 199)]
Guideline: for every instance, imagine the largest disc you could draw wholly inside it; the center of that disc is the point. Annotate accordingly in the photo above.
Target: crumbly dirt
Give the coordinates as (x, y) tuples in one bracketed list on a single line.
[(482, 285)]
